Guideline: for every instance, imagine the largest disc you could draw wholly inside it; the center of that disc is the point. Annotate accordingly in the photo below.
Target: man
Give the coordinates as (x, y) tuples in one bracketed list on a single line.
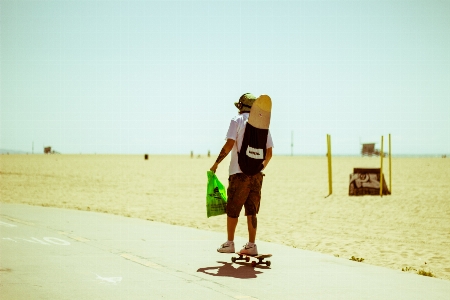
[(243, 190)]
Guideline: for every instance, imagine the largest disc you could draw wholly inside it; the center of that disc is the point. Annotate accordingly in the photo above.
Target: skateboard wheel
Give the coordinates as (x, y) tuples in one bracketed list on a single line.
[(253, 263), (233, 259), (268, 263), (247, 259)]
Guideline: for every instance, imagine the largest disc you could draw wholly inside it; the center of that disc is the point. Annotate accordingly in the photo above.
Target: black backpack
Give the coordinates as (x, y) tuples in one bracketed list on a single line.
[(253, 150)]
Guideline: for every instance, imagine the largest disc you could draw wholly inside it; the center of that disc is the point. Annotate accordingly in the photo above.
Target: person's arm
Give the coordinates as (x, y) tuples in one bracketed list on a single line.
[(268, 157), (223, 153)]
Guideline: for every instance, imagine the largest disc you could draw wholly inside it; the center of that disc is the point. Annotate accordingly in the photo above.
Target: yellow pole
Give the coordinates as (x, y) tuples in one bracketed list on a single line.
[(330, 176), (390, 165), (381, 168)]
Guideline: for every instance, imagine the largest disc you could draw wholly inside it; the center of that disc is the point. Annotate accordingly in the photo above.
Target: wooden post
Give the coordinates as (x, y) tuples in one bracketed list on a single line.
[(381, 168), (390, 165), (330, 175)]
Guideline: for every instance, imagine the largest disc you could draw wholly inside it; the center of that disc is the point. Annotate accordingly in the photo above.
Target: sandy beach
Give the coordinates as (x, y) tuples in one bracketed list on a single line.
[(408, 229)]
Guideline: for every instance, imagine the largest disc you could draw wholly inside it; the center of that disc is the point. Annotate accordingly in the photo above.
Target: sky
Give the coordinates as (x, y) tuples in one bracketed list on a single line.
[(161, 77)]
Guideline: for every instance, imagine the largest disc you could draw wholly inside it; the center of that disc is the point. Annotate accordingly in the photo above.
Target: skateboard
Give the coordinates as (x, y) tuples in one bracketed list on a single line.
[(260, 112), (246, 257)]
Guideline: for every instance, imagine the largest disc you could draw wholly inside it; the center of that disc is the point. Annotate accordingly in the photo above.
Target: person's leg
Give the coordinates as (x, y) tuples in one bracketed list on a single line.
[(237, 193), (250, 247), (252, 206), (252, 224), (231, 227)]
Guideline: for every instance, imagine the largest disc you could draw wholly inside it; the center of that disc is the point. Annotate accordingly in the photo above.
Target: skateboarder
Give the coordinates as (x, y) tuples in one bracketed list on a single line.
[(243, 190)]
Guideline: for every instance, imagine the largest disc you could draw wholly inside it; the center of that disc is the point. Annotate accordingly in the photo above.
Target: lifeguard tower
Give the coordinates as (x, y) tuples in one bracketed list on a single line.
[(369, 150)]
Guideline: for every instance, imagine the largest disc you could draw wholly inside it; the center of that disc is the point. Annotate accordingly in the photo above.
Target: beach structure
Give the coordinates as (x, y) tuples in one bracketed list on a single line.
[(330, 176), (369, 150), (371, 181), (366, 181), (48, 150)]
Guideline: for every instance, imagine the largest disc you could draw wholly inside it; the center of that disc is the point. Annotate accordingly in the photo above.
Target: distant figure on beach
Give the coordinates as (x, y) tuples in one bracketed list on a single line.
[(243, 190)]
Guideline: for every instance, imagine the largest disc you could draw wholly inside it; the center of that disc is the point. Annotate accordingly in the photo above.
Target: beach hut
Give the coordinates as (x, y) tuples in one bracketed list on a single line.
[(369, 150)]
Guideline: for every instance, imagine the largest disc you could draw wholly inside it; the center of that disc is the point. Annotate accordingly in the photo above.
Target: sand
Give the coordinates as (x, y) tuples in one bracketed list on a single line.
[(409, 229)]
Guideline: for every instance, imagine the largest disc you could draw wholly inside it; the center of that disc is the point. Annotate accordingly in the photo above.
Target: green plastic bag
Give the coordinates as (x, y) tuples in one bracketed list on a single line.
[(216, 196)]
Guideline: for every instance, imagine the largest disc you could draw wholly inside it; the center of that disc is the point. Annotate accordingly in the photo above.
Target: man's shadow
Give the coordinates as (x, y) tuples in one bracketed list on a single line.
[(227, 270)]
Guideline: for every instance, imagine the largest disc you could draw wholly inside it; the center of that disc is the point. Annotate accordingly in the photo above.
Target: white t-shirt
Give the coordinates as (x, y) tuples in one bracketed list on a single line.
[(236, 133)]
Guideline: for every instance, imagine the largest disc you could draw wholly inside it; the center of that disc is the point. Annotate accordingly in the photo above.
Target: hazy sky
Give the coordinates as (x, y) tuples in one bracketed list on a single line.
[(162, 76)]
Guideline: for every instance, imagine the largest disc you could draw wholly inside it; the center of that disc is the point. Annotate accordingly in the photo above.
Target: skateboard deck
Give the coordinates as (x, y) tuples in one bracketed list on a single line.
[(247, 257), (260, 112)]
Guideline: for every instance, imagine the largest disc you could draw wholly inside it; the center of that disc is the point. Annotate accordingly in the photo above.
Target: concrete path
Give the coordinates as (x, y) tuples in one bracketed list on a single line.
[(50, 253)]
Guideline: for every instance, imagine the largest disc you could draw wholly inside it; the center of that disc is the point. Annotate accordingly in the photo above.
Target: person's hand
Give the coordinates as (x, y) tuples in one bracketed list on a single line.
[(214, 167)]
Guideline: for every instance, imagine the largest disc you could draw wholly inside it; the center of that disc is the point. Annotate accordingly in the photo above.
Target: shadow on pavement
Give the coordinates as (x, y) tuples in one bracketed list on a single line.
[(244, 271)]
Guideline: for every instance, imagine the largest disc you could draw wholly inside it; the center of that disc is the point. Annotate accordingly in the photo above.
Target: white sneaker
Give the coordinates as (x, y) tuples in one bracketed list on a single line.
[(249, 250), (227, 247)]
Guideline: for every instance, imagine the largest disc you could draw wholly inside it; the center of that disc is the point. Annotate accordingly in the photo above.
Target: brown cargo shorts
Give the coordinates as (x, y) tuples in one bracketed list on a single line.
[(244, 191)]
